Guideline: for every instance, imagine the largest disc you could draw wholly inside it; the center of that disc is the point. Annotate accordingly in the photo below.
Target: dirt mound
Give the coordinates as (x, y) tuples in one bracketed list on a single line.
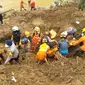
[(58, 19), (65, 71)]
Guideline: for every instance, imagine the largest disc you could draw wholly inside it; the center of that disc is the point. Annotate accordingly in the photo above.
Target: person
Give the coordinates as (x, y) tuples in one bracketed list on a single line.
[(32, 5), (1, 18), (29, 2), (12, 51), (50, 41), (36, 38), (52, 52), (27, 35), (42, 53), (71, 33), (16, 35), (2, 51), (22, 5), (63, 44), (26, 44), (81, 40)]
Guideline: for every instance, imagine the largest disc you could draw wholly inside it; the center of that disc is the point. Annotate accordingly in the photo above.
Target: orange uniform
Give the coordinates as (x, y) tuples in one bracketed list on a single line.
[(42, 53), (22, 3), (82, 39)]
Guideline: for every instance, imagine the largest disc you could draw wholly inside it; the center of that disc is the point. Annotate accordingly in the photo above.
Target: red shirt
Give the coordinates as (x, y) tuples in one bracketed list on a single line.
[(32, 4)]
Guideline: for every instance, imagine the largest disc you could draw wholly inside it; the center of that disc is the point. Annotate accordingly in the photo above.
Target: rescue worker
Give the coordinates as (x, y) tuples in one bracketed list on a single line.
[(32, 5), (42, 53), (26, 44), (22, 5), (13, 52), (16, 35), (81, 40), (50, 41), (52, 52), (63, 44), (27, 35), (36, 38), (71, 33)]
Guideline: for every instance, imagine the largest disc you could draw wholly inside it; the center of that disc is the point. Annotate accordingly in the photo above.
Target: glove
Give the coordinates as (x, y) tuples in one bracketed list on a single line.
[(10, 54)]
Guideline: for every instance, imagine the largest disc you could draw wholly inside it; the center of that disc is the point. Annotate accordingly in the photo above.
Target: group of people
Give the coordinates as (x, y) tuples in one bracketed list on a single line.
[(31, 4), (44, 44)]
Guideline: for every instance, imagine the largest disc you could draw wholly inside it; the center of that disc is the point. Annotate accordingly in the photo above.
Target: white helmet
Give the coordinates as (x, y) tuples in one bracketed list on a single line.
[(37, 29), (64, 34), (15, 28)]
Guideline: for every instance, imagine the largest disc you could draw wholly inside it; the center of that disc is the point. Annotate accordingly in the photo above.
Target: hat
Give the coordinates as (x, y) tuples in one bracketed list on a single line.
[(37, 29), (15, 28), (8, 43), (27, 33), (64, 34), (53, 33)]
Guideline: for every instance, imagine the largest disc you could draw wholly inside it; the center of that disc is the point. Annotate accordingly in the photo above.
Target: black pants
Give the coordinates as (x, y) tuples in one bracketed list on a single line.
[(33, 8), (16, 59), (1, 18)]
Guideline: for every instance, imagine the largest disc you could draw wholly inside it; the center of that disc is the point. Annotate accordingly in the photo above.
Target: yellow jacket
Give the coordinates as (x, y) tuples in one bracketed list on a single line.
[(82, 39), (44, 47)]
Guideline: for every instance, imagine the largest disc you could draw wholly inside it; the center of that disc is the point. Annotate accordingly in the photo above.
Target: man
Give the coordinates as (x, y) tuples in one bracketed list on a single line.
[(22, 5), (63, 44), (12, 50), (80, 40), (42, 53), (32, 5), (16, 35), (1, 18)]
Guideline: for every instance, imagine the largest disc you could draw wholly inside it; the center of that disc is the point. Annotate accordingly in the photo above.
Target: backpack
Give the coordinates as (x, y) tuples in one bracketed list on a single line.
[(16, 36)]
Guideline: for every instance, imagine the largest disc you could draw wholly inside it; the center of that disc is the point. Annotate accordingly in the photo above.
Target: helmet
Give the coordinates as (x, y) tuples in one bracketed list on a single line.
[(53, 33), (15, 28), (37, 29), (64, 34), (24, 41), (27, 33), (8, 43), (83, 30), (44, 40)]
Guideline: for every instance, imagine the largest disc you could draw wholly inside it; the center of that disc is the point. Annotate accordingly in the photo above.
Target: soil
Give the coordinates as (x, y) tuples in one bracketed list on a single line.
[(64, 71)]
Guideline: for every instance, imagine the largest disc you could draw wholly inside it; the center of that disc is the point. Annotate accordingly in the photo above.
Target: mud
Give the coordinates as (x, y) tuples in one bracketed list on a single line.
[(64, 71)]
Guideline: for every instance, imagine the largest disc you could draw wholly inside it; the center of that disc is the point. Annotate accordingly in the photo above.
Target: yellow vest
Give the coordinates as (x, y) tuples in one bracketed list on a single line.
[(44, 47)]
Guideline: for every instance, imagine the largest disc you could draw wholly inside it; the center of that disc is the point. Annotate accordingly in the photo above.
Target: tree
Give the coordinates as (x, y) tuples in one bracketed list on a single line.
[(81, 4)]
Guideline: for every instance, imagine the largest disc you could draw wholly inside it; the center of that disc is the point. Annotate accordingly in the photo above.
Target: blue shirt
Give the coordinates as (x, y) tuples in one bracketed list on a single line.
[(63, 46)]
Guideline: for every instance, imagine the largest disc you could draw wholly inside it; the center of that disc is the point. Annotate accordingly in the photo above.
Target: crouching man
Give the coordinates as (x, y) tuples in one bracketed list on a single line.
[(13, 53), (42, 53)]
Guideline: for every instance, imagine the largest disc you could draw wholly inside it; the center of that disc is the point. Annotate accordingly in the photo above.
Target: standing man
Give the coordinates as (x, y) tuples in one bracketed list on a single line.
[(12, 51), (32, 5), (1, 17), (22, 5)]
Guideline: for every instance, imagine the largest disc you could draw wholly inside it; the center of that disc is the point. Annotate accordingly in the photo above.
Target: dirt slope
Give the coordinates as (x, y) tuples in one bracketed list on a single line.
[(65, 71)]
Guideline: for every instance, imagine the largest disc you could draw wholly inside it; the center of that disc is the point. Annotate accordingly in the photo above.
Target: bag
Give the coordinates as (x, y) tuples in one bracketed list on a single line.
[(16, 36)]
